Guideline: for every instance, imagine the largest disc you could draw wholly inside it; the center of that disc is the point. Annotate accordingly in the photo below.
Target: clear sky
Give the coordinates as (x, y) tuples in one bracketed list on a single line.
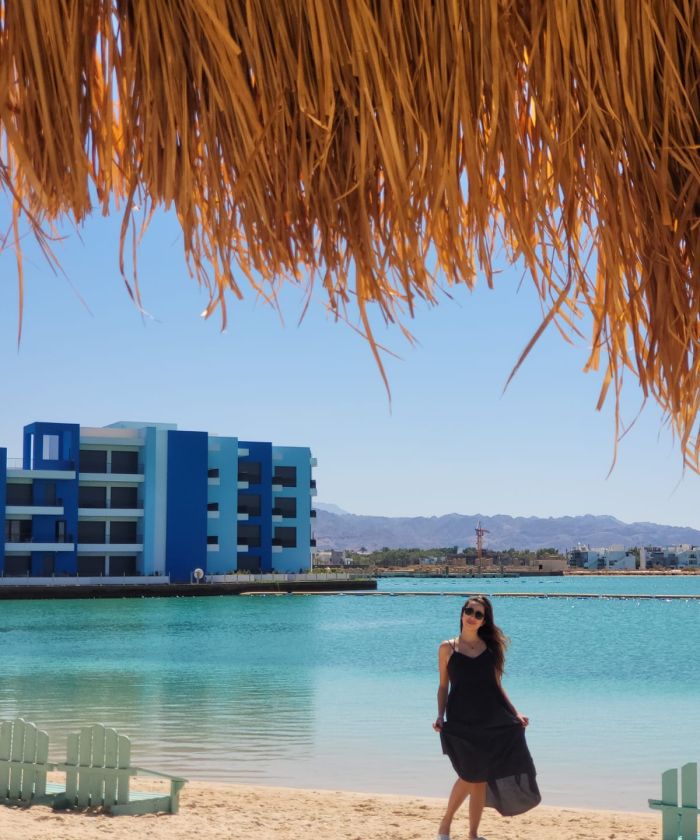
[(449, 441)]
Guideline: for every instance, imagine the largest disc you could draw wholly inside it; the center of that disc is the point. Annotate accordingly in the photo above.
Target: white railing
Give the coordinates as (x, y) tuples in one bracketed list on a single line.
[(281, 578), (62, 580)]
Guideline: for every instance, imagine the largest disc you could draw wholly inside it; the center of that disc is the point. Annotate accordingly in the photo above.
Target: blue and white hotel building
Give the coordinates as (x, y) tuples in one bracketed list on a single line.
[(147, 500)]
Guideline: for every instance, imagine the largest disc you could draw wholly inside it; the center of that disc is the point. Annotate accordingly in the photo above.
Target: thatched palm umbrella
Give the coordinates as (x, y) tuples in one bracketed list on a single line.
[(378, 146)]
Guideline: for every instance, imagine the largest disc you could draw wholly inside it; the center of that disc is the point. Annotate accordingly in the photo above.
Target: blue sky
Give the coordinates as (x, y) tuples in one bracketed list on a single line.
[(450, 440)]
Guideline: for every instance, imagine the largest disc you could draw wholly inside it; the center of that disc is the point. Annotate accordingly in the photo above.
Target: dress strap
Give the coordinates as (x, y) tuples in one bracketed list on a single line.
[(453, 645)]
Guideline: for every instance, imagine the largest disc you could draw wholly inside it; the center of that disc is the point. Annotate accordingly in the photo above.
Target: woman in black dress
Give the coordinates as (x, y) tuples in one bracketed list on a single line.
[(484, 734)]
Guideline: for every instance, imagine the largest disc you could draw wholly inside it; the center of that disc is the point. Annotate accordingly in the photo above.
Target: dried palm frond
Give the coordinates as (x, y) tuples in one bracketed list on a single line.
[(377, 144)]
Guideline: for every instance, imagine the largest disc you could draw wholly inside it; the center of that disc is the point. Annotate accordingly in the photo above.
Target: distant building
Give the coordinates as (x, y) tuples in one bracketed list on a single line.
[(549, 563), (149, 500), (332, 558), (671, 557), (612, 558)]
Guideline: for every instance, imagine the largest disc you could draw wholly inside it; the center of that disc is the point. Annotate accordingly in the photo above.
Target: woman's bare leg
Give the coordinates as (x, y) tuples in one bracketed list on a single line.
[(460, 791), (476, 806)]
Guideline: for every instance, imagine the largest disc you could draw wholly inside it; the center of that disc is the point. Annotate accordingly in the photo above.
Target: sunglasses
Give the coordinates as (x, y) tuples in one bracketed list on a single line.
[(478, 615)]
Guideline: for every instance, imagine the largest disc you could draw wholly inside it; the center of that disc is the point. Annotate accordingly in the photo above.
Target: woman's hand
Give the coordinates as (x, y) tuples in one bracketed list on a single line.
[(522, 719), (437, 726)]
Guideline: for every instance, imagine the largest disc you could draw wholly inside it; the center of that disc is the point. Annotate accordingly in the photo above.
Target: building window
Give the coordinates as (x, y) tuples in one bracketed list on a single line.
[(49, 492), (125, 497), (249, 471), (248, 563), (121, 533), (213, 472), (122, 566), (47, 564), (92, 533), (285, 537), (285, 506), (213, 506), (92, 497), (18, 565), (61, 531), (19, 494), (212, 540), (90, 565), (286, 476), (249, 535), (249, 503), (93, 460), (18, 530), (49, 451), (124, 462)]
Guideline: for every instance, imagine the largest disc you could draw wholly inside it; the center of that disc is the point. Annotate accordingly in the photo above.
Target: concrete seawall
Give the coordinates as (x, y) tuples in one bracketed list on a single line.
[(181, 590)]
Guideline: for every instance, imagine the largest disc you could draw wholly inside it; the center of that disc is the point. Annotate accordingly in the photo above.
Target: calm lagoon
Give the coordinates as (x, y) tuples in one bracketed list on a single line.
[(338, 691)]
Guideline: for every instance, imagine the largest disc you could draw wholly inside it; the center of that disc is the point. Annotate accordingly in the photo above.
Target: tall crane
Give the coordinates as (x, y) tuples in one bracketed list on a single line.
[(480, 542)]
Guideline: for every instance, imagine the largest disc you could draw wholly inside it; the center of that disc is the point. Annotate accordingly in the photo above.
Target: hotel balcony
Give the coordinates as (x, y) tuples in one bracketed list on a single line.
[(111, 478), (28, 546), (33, 510), (109, 548), (109, 513), (16, 468)]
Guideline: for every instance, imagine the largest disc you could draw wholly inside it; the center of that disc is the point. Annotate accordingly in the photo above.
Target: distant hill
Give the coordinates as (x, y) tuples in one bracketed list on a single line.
[(351, 531), (329, 508)]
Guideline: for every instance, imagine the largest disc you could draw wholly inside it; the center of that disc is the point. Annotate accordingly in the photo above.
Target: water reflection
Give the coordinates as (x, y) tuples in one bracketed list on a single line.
[(185, 683)]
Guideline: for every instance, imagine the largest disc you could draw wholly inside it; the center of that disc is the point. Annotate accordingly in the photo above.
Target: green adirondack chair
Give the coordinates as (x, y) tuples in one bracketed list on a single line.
[(24, 763), (99, 772), (678, 819)]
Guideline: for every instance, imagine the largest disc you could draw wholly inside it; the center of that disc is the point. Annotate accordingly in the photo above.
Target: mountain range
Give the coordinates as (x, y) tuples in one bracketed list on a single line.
[(338, 529)]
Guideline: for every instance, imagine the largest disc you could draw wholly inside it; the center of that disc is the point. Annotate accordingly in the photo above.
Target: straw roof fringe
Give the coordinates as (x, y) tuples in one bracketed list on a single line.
[(363, 141)]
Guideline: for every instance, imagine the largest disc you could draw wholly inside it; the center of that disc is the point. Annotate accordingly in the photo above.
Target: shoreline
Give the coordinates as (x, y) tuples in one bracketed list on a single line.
[(20, 591), (217, 810)]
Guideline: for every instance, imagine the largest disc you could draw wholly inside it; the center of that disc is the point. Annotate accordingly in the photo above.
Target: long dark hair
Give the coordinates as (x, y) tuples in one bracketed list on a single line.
[(496, 640)]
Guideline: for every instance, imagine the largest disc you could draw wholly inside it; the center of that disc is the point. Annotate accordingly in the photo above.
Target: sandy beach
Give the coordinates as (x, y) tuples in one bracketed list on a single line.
[(268, 813)]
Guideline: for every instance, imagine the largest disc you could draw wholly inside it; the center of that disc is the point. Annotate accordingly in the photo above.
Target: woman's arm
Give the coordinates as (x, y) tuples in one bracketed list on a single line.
[(444, 652), (524, 720)]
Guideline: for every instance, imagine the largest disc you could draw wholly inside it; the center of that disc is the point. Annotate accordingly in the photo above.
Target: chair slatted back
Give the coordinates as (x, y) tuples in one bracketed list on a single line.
[(669, 794), (24, 754), (99, 760), (689, 800), (679, 814)]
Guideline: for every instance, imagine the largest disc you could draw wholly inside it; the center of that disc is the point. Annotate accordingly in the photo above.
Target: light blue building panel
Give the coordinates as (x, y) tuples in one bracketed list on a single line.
[(291, 507), (222, 506)]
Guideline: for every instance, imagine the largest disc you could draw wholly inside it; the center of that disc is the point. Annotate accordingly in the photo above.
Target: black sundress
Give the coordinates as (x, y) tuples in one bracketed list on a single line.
[(484, 739)]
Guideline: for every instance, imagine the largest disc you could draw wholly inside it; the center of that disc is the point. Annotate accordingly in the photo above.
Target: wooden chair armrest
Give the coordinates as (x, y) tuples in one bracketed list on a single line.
[(142, 771), (659, 805)]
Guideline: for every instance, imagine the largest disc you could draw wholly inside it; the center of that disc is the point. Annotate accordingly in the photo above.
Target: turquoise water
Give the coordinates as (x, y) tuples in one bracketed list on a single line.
[(671, 584), (339, 691)]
